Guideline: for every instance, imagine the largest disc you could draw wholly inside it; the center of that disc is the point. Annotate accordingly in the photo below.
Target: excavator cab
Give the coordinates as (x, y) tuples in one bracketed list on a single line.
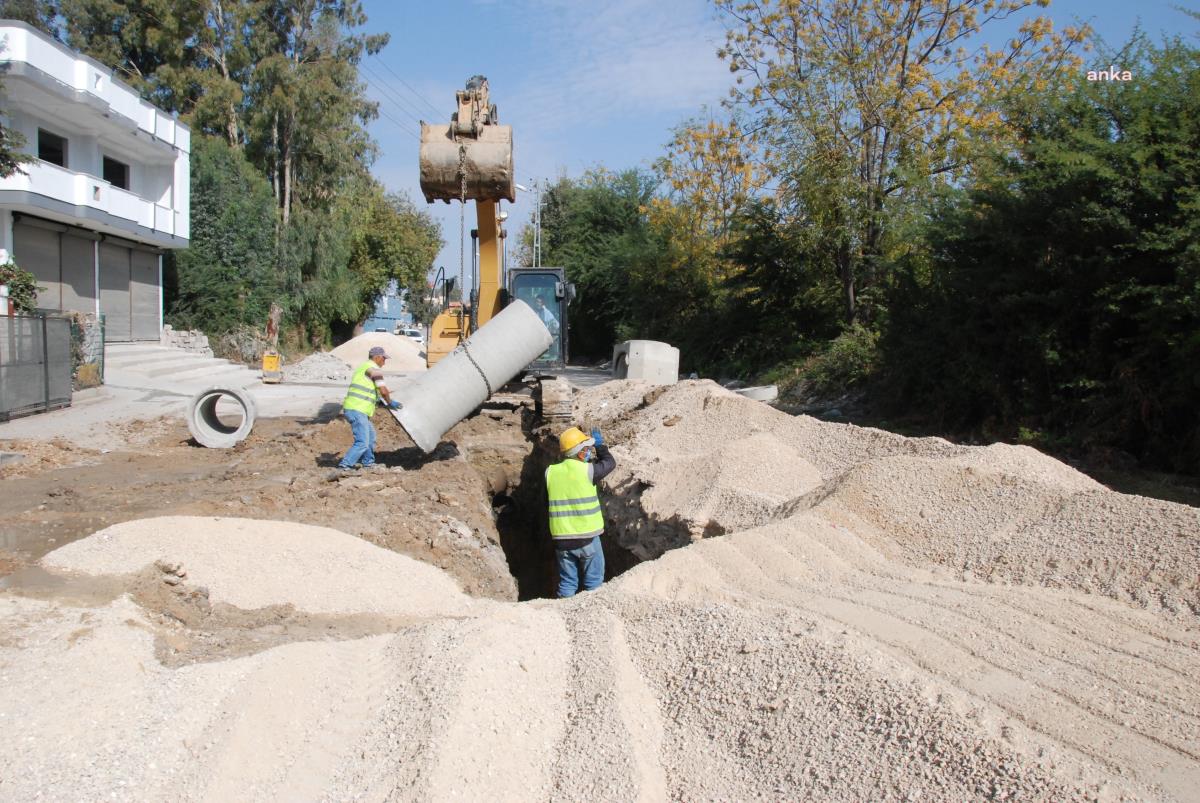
[(547, 291)]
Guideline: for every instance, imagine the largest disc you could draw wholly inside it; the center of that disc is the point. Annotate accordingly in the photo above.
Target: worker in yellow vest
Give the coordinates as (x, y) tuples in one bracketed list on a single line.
[(367, 388), (575, 518)]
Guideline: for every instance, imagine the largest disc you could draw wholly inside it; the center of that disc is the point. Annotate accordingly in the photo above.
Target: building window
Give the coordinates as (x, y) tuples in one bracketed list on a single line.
[(52, 148), (116, 173)]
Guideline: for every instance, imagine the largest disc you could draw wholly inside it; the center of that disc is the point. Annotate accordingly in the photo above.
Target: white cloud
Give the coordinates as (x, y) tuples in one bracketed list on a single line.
[(617, 59)]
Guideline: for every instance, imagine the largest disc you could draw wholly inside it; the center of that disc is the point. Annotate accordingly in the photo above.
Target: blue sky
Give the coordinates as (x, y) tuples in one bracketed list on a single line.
[(588, 83)]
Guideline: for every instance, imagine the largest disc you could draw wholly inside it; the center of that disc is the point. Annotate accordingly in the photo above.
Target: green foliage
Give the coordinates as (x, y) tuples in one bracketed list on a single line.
[(41, 14), (22, 287), (394, 241), (637, 277), (596, 229), (1064, 293), (781, 303), (845, 362), (228, 275), (11, 142), (857, 106)]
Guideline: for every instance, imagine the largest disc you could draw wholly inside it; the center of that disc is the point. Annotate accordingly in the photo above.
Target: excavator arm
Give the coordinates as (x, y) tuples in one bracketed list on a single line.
[(471, 158)]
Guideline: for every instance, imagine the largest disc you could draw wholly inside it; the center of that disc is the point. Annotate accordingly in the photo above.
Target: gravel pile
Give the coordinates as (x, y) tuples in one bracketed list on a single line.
[(884, 619), (252, 563), (403, 354), (319, 367), (698, 461)]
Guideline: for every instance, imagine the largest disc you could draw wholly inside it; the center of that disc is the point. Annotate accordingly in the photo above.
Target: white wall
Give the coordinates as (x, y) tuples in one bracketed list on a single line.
[(133, 131)]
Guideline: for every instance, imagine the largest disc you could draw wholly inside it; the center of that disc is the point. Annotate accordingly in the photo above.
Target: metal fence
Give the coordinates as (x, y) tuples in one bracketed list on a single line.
[(35, 364)]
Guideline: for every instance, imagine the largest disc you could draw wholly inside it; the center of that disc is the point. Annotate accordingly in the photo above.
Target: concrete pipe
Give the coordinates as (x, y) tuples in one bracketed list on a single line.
[(211, 414), (463, 379), (763, 393)]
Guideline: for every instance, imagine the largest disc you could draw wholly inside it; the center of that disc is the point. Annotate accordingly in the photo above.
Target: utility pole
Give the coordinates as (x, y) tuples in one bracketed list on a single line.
[(537, 225), (537, 219)]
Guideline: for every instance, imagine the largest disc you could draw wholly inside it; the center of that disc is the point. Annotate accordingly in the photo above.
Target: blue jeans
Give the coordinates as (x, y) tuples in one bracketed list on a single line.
[(587, 560), (363, 449)]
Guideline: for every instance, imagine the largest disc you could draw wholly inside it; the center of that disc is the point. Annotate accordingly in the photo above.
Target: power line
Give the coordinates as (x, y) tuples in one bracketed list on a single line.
[(418, 95), (381, 87), (400, 125)]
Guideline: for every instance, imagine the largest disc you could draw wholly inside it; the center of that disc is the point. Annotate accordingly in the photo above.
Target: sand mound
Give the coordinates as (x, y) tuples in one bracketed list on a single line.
[(696, 460), (403, 354), (251, 563), (838, 642)]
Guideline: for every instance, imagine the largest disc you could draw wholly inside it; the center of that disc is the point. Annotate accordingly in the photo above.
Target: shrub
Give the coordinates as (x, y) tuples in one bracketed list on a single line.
[(22, 287), (846, 362)]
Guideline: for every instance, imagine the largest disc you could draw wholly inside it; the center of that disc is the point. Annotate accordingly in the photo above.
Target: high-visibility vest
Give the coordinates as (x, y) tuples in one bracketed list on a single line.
[(574, 505), (362, 396)]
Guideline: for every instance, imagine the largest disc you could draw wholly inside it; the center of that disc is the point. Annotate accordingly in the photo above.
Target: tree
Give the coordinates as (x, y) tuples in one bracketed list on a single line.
[(148, 43), (1062, 295), (858, 103), (394, 241), (41, 14), (595, 227), (226, 52), (227, 276), (308, 108)]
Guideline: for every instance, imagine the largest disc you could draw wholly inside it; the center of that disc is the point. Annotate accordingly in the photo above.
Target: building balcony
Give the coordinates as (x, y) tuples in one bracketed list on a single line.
[(95, 200), (31, 56)]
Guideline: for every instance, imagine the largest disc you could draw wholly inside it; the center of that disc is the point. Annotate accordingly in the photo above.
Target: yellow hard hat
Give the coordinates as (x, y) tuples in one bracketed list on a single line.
[(572, 440)]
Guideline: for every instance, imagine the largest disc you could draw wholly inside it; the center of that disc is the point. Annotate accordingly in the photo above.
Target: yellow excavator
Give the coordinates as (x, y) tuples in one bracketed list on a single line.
[(471, 159)]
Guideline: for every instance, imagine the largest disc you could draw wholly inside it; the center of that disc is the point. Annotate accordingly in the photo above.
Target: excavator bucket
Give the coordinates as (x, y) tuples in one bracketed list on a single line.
[(471, 159), (485, 161)]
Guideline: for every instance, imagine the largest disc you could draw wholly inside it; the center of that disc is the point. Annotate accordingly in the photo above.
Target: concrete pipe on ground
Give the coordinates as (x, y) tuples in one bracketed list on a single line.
[(462, 380), (763, 393), (221, 418)]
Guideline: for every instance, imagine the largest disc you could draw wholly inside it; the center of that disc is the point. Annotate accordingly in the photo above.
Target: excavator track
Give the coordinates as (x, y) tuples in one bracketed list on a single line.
[(554, 401)]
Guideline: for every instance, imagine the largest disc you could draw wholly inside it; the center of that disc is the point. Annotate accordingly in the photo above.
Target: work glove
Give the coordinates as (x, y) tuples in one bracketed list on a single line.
[(597, 437), (394, 405)]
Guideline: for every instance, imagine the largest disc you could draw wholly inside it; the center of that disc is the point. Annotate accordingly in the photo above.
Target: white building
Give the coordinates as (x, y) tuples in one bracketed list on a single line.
[(107, 193)]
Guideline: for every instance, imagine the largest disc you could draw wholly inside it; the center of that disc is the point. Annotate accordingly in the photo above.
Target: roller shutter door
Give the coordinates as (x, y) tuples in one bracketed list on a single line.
[(78, 273), (143, 292), (114, 293), (37, 251)]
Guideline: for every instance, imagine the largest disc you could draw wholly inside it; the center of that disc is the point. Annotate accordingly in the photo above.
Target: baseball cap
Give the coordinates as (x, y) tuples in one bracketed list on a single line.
[(377, 351)]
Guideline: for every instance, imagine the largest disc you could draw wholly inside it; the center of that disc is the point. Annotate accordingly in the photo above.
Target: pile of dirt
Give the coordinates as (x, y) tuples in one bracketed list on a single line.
[(321, 366), (697, 460), (403, 354), (226, 555), (841, 640), (433, 508)]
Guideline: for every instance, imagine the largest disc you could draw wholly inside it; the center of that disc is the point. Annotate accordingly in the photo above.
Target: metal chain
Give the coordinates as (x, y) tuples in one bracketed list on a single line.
[(462, 213), (486, 383)]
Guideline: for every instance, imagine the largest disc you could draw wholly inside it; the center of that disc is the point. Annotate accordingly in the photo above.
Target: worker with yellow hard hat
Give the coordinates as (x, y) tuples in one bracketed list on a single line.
[(576, 522)]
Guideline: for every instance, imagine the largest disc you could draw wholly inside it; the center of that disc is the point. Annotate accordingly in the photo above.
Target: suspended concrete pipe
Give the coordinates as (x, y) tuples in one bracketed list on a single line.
[(464, 379), (207, 427)]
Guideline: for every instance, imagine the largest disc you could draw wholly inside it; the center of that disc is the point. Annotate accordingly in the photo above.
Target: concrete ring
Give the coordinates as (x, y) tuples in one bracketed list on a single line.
[(206, 425)]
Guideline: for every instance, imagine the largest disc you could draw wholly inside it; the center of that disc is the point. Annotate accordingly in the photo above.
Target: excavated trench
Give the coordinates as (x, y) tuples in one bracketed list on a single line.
[(518, 499)]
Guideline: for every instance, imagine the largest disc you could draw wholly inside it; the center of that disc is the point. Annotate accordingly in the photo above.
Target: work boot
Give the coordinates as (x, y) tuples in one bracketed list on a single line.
[(338, 473)]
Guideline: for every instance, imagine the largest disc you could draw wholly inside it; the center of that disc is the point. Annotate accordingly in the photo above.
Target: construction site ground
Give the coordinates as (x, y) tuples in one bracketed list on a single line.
[(796, 610)]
